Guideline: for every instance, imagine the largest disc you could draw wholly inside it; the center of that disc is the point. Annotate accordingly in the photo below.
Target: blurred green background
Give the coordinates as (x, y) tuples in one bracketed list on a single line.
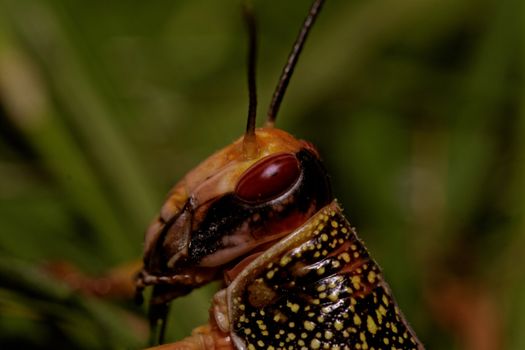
[(417, 107)]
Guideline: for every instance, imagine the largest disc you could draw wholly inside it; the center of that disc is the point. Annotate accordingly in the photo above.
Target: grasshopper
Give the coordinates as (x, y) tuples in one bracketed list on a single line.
[(260, 215)]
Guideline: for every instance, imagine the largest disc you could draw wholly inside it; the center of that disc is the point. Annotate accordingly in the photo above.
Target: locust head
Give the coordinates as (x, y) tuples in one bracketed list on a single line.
[(238, 202), (229, 209)]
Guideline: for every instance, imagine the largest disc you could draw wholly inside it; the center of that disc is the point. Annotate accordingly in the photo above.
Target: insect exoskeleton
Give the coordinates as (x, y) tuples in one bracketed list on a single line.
[(260, 215), (230, 209)]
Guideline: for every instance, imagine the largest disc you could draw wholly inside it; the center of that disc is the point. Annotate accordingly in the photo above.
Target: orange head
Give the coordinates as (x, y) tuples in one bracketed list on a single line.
[(229, 208)]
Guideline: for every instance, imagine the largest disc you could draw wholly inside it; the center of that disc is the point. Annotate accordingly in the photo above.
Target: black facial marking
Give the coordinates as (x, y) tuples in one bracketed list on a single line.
[(229, 213)]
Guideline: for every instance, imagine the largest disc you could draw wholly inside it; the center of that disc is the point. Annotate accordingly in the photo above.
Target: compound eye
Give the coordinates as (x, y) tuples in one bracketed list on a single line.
[(268, 178)]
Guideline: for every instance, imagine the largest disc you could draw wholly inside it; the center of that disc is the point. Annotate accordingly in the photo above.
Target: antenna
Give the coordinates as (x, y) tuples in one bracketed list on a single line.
[(288, 69), (249, 141)]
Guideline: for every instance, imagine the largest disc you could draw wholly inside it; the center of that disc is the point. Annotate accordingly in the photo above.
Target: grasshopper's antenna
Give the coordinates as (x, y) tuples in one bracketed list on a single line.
[(292, 61), (249, 141)]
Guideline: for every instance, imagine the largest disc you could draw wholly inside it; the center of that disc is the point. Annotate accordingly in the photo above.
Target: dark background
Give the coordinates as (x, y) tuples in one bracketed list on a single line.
[(417, 107)]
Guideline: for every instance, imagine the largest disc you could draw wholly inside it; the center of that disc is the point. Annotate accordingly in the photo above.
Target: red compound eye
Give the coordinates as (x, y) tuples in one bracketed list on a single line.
[(268, 178)]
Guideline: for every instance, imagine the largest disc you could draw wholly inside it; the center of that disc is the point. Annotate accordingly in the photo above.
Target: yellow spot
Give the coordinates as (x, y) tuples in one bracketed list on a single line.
[(294, 308), (321, 288), (385, 340), (394, 328), (271, 348), (260, 343), (270, 274), (372, 327), (333, 297), (285, 260), (322, 295), (385, 300), (371, 277), (382, 310), (357, 320), (247, 331), (353, 247), (334, 224), (336, 264), (328, 335), (320, 319), (356, 281), (379, 317), (344, 230), (324, 237), (251, 347), (345, 257), (309, 325), (315, 344), (291, 336), (338, 325), (320, 271)]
